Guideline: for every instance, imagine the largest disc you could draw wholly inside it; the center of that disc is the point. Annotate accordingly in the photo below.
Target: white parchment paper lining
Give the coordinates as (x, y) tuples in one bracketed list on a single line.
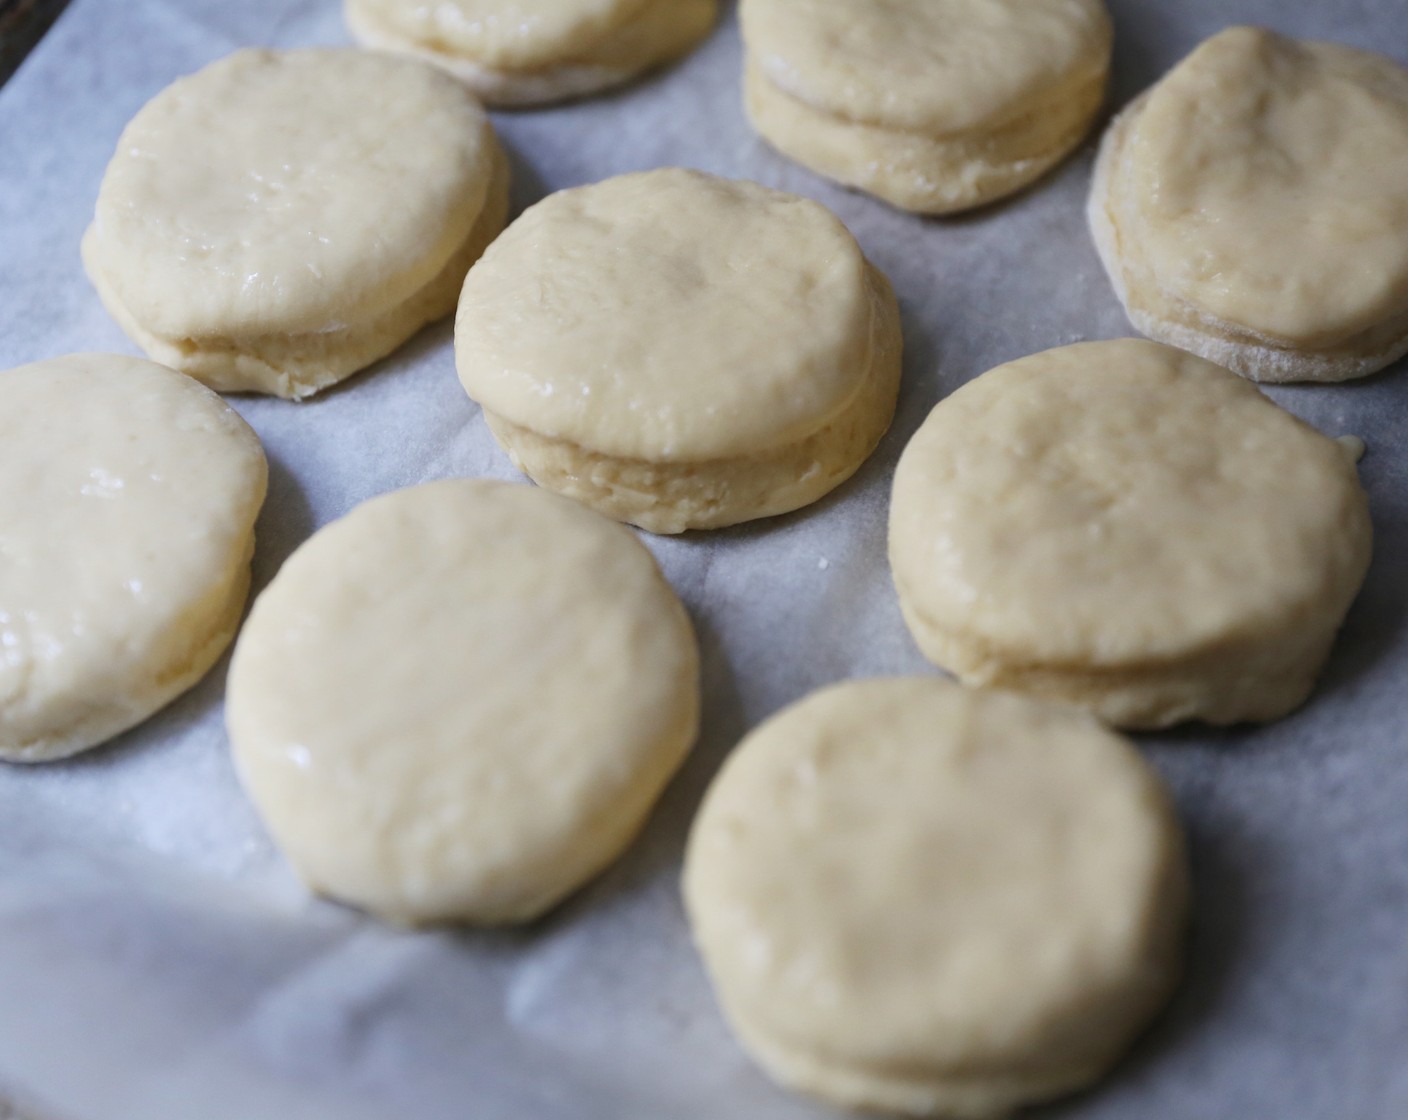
[(157, 960)]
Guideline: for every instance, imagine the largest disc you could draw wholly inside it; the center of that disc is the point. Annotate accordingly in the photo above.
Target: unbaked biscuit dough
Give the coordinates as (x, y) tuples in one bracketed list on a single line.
[(1130, 528), (280, 220), (518, 53), (681, 351), (932, 105), (1251, 207), (126, 531), (928, 900), (459, 702)]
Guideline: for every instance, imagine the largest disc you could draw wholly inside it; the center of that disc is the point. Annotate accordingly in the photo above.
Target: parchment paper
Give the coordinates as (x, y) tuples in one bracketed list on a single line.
[(158, 962)]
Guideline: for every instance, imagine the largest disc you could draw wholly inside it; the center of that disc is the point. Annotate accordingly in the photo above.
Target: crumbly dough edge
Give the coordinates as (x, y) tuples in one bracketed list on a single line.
[(663, 32), (932, 175), (1247, 677), (669, 498), (296, 367), (1166, 317)]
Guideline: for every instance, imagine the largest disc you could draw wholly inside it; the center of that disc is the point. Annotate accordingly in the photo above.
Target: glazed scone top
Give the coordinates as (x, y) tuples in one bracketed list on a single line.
[(509, 34), (487, 672), (668, 316), (130, 493), (1121, 500), (1268, 182), (913, 879), (934, 66), (288, 192)]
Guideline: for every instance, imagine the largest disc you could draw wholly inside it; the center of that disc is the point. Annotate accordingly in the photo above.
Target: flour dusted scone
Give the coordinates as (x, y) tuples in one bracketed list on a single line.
[(280, 220), (1130, 528), (1252, 207), (934, 106), (126, 530), (517, 53), (918, 898), (459, 702), (681, 351)]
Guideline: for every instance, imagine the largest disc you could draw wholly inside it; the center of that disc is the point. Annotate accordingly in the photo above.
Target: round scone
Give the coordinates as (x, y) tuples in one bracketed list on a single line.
[(923, 899), (1127, 527), (460, 701), (517, 53), (126, 531), (280, 220), (934, 106), (1251, 207), (681, 351)]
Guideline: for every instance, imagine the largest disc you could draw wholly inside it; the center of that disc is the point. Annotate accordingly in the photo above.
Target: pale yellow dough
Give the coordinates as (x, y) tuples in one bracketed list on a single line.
[(681, 351), (1251, 207), (917, 898), (518, 53), (280, 220), (126, 531), (934, 106), (459, 702), (1127, 527)]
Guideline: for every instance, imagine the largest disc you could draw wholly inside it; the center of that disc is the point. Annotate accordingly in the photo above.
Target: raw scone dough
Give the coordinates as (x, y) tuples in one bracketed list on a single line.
[(932, 105), (928, 900), (279, 221), (516, 53), (126, 531), (1128, 527), (459, 702), (1252, 207), (681, 351)]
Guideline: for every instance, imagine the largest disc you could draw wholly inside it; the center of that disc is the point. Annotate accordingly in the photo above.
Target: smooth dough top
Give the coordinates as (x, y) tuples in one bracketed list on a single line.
[(507, 34), (1117, 501), (913, 879), (129, 497), (668, 316), (934, 66), (1268, 181), (290, 192), (449, 694)]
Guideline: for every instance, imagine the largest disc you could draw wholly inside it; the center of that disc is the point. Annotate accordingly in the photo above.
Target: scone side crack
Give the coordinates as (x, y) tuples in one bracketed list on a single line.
[(296, 366), (670, 497), (661, 31), (1267, 326)]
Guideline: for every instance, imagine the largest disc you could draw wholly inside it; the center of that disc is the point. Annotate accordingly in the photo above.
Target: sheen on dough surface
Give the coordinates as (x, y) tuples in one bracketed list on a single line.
[(279, 220), (934, 106), (126, 531), (459, 702), (681, 351), (917, 898), (520, 53), (1131, 528), (1251, 207)]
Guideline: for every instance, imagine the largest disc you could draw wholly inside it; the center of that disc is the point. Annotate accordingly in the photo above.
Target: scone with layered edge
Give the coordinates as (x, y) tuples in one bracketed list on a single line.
[(934, 106), (459, 702), (681, 351), (278, 221), (1130, 528), (126, 531), (1252, 207), (922, 899), (518, 53)]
